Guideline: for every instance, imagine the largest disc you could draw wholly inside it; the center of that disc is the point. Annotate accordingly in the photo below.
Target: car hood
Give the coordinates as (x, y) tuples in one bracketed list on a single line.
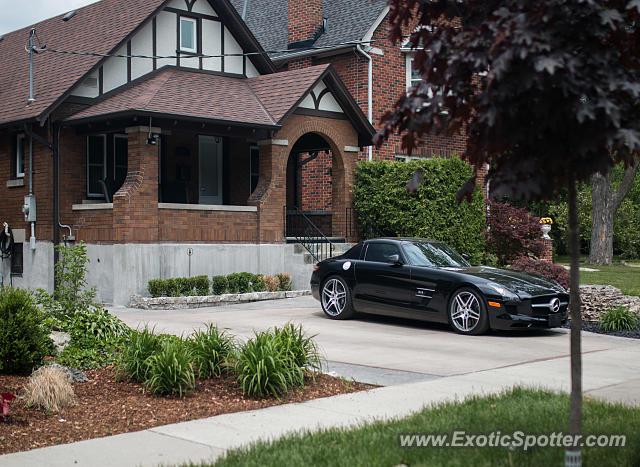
[(515, 281)]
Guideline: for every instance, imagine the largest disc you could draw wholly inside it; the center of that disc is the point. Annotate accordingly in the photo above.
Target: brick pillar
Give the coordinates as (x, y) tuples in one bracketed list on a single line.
[(135, 204), (547, 252), (305, 19)]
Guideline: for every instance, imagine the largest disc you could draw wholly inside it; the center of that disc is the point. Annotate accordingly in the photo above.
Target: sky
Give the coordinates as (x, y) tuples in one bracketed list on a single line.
[(16, 14)]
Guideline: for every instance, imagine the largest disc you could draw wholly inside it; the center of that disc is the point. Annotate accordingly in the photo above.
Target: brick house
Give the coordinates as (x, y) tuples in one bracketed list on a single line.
[(150, 159), (303, 33)]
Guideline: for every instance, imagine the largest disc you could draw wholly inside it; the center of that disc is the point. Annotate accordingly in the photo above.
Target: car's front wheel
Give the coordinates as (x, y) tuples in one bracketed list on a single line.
[(336, 298), (468, 312)]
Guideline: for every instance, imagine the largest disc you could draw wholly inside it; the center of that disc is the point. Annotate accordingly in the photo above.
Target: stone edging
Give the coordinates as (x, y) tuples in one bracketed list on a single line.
[(177, 303)]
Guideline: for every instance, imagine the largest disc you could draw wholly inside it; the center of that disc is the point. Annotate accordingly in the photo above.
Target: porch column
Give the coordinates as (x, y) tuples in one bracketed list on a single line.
[(135, 204), (270, 196)]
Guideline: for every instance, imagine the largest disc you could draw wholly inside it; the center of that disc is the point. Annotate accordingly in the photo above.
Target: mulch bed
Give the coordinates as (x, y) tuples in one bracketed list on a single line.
[(106, 407), (593, 326)]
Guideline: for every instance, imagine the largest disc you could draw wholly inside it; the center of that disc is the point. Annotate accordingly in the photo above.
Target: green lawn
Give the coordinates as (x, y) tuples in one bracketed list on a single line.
[(626, 278), (533, 412)]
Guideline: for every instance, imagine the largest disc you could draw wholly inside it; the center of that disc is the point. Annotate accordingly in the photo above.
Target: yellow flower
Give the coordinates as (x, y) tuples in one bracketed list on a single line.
[(546, 220)]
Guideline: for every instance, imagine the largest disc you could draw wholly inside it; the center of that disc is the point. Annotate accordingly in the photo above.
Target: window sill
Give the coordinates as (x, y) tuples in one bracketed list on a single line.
[(207, 207), (91, 207), (15, 183)]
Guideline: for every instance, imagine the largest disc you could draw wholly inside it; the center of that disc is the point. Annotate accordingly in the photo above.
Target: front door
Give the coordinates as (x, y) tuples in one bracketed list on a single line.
[(210, 154)]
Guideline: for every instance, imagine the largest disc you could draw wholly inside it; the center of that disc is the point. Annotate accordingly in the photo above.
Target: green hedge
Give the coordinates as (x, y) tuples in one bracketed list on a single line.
[(238, 282), (385, 207)]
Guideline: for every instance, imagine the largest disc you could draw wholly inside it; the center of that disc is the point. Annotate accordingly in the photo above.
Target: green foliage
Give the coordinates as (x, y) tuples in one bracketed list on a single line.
[(285, 281), (85, 354), (24, 341), (71, 294), (233, 281), (138, 348), (244, 282), (169, 370), (300, 347), (156, 287), (210, 350), (386, 208), (618, 319), (264, 367), (202, 285), (257, 283), (184, 285), (172, 288), (219, 285), (97, 323)]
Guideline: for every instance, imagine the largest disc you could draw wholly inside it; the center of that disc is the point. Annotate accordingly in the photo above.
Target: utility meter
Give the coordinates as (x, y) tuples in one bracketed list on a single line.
[(29, 208)]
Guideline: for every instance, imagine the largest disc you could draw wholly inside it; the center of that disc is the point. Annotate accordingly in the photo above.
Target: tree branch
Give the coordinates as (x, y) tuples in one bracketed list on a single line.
[(627, 182)]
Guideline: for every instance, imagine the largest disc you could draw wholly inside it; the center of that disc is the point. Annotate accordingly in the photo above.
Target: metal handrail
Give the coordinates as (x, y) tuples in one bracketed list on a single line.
[(310, 237)]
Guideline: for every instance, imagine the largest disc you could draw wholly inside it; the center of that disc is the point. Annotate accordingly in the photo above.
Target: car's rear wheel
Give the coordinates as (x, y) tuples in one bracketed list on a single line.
[(468, 312), (336, 298)]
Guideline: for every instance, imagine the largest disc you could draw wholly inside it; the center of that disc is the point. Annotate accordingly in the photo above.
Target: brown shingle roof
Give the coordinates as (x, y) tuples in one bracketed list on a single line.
[(98, 27), (184, 93), (279, 92)]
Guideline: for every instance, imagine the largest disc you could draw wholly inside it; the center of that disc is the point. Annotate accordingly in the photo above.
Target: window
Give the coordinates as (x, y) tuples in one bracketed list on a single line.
[(96, 164), (254, 169), (17, 260), (20, 149), (381, 252), (120, 160), (413, 76), (188, 31)]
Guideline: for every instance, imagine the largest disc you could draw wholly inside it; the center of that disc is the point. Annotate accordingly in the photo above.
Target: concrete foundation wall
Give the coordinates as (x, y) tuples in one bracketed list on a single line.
[(37, 268)]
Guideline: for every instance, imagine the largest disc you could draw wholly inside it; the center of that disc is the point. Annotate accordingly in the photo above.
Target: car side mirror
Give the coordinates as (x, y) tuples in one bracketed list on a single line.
[(394, 259)]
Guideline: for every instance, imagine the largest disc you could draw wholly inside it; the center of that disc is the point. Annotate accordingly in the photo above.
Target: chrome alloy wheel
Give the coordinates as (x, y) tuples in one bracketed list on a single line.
[(465, 311), (334, 297)]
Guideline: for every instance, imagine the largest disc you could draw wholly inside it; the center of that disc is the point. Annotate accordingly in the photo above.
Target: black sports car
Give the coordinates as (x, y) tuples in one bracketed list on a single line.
[(427, 280)]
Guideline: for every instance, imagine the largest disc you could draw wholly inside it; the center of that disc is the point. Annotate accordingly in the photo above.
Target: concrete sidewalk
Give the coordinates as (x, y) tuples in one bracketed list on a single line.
[(208, 439)]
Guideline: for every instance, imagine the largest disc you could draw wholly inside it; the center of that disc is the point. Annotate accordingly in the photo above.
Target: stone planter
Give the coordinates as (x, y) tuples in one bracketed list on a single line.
[(177, 303)]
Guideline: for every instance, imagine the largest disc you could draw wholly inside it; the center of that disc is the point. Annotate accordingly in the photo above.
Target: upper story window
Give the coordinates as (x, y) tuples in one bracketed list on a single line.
[(20, 151), (413, 76), (188, 35)]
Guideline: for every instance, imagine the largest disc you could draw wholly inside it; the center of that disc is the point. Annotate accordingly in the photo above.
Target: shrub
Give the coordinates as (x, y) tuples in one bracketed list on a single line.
[(98, 324), (86, 354), (285, 281), (138, 348), (257, 283), (202, 285), (544, 268), (264, 368), (156, 287), (513, 233), (244, 282), (24, 341), (385, 208), (184, 286), (210, 350), (618, 319), (49, 388), (300, 347), (219, 285), (234, 282), (172, 288), (169, 369), (272, 283)]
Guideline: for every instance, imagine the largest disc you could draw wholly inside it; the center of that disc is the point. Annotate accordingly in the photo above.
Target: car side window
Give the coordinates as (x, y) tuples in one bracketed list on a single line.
[(355, 252), (381, 252)]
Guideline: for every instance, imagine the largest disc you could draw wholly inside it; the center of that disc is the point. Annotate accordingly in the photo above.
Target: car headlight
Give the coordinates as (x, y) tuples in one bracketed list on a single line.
[(506, 294)]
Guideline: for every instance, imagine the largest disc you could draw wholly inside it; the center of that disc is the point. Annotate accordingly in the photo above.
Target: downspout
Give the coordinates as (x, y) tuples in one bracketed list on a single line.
[(369, 91), (56, 200), (32, 239)]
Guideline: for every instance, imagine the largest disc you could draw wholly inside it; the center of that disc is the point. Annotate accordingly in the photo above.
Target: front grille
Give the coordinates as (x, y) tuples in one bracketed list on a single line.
[(544, 304)]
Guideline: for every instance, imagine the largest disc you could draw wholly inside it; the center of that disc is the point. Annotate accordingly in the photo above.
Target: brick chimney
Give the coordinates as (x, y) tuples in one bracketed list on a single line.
[(305, 20)]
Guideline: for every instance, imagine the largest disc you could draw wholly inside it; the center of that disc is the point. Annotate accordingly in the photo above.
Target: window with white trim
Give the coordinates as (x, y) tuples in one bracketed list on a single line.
[(188, 35), (96, 164), (413, 76), (20, 150)]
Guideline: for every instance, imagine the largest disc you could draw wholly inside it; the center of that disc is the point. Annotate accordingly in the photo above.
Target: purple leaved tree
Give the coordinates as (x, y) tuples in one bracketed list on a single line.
[(547, 91)]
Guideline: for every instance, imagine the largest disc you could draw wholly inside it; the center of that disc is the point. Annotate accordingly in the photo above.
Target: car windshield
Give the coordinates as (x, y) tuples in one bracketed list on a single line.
[(433, 254)]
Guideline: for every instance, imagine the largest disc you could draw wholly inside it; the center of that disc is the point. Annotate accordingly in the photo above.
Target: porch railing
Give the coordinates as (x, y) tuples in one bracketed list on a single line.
[(299, 226)]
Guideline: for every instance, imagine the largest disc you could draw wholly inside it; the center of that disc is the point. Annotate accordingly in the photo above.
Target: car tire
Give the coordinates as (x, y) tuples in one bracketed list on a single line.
[(467, 312), (335, 298)]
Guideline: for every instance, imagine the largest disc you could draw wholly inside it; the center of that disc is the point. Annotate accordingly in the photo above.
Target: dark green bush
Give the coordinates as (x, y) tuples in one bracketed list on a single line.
[(202, 285), (138, 348), (285, 281), (385, 208), (172, 288), (210, 351), (234, 282), (257, 283), (156, 287), (244, 282), (219, 285), (24, 341), (618, 319), (98, 324), (169, 370), (185, 286)]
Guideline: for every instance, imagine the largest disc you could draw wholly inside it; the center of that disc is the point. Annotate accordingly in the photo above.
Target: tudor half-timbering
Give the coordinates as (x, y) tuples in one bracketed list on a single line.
[(174, 135)]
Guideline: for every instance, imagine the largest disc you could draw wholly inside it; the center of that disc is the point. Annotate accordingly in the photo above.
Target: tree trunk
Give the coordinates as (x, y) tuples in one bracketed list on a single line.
[(573, 455), (605, 204)]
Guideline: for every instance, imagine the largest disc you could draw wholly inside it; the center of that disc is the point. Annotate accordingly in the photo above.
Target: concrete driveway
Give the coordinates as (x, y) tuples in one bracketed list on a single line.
[(391, 351)]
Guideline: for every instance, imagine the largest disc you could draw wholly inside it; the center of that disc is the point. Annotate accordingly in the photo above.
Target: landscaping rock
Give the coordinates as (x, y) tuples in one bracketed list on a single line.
[(60, 340), (74, 376), (597, 299), (177, 303)]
